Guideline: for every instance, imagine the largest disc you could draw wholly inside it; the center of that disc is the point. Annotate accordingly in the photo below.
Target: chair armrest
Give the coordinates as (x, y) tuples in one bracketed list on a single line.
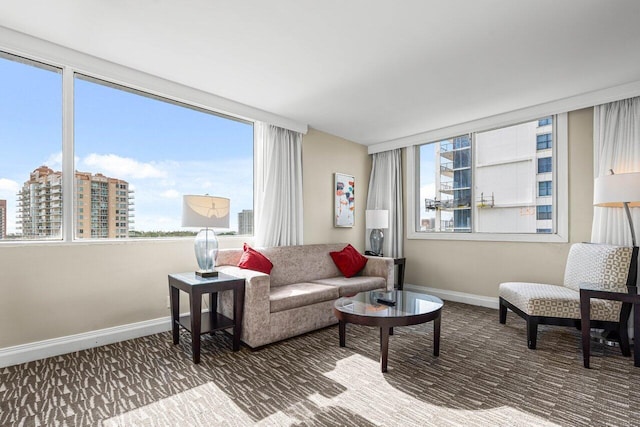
[(380, 267)]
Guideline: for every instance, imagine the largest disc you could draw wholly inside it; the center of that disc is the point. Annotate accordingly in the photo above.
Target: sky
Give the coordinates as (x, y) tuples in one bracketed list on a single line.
[(163, 150)]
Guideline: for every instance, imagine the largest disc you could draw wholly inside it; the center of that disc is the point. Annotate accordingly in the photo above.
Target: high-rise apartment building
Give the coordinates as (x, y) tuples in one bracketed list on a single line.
[(511, 181), (245, 221), (103, 206), (3, 219)]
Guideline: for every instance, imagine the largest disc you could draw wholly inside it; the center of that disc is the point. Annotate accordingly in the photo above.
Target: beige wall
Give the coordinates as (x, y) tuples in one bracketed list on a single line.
[(55, 290), (324, 155), (478, 267)]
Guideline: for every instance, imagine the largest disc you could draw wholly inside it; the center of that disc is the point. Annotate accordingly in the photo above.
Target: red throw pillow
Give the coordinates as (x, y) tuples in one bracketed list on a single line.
[(254, 260), (349, 261)]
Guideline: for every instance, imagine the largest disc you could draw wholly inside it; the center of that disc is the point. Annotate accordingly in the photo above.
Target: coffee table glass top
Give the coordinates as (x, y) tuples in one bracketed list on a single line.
[(372, 303)]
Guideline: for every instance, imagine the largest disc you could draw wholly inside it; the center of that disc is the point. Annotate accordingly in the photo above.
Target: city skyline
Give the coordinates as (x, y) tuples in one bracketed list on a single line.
[(163, 149)]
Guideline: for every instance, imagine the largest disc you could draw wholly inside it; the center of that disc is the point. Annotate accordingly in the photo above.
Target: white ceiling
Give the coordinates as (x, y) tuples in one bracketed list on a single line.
[(366, 70)]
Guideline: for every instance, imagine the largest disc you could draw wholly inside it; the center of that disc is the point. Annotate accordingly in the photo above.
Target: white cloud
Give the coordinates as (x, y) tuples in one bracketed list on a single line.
[(428, 191), (170, 194), (54, 161), (9, 186), (122, 167)]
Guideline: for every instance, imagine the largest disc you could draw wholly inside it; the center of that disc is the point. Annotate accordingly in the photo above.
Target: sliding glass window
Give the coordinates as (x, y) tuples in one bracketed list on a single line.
[(495, 181), (31, 148), (136, 155)]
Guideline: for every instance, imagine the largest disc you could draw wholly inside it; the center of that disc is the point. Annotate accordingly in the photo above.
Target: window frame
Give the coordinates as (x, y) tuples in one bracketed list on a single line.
[(559, 193), (72, 64)]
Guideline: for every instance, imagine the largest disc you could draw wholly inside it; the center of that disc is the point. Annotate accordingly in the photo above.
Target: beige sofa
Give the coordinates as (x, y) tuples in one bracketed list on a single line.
[(298, 295)]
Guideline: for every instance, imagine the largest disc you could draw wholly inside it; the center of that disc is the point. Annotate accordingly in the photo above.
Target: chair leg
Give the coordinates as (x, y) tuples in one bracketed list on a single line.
[(503, 312), (624, 340), (532, 333)]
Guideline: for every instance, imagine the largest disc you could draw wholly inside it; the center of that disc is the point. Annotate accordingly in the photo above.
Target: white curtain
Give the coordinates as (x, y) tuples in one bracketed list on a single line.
[(385, 192), (616, 141), (278, 198)]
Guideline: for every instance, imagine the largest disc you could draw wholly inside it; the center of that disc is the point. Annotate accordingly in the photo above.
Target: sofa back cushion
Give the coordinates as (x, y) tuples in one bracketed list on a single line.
[(296, 264), (605, 265)]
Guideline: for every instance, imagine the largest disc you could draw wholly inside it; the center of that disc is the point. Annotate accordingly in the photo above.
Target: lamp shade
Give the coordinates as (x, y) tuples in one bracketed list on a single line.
[(205, 211), (377, 218), (614, 190)]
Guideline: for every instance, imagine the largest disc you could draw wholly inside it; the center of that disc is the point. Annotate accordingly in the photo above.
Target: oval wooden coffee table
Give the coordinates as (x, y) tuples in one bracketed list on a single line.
[(387, 310)]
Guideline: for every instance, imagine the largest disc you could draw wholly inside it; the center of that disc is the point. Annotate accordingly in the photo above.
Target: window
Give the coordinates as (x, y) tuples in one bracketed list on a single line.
[(446, 185), (544, 212), (485, 185), (545, 188), (544, 165), (31, 141), (134, 155), (544, 141), (137, 154)]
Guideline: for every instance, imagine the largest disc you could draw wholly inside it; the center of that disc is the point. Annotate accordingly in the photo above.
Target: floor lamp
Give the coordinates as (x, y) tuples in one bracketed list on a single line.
[(619, 191)]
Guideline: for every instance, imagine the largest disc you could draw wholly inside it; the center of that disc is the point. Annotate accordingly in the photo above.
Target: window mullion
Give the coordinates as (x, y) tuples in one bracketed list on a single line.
[(68, 172)]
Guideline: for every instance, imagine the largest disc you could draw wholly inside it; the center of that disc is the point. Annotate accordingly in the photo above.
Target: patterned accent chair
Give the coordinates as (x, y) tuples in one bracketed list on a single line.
[(614, 268)]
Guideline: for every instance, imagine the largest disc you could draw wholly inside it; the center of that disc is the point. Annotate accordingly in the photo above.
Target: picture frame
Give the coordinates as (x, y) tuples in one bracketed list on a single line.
[(344, 200)]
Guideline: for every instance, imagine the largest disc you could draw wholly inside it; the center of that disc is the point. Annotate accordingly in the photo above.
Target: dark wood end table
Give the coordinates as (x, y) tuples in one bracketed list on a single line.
[(198, 323), (411, 308), (586, 293), (400, 262)]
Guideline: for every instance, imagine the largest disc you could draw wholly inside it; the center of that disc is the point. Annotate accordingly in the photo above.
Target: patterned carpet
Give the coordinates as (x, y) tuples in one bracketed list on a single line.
[(484, 376)]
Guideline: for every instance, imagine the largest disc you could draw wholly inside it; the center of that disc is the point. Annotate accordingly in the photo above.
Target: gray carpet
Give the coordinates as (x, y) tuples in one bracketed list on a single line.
[(484, 376)]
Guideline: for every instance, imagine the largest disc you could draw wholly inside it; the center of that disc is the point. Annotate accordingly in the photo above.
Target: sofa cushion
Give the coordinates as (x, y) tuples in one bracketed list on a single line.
[(349, 261), (352, 285), (254, 260), (303, 263), (300, 294), (537, 299)]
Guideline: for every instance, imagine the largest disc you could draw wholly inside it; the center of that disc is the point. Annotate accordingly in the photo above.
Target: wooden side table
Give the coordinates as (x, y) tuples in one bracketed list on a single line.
[(400, 263), (198, 323), (586, 293)]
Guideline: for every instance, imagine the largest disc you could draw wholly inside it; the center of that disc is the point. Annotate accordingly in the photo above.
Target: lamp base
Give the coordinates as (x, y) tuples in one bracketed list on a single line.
[(206, 274)]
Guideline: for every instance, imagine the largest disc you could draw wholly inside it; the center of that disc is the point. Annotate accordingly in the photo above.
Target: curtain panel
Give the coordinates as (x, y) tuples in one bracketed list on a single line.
[(385, 192), (616, 142), (278, 199)]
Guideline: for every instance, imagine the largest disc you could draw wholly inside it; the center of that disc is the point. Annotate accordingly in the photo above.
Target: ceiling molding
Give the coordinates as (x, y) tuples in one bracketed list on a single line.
[(565, 105), (37, 49)]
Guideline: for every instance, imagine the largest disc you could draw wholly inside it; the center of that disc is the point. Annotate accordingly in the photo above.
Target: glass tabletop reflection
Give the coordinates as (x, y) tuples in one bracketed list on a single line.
[(389, 304)]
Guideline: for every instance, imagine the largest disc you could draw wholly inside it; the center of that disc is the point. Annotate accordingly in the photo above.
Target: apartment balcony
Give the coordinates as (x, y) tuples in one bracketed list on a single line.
[(446, 169)]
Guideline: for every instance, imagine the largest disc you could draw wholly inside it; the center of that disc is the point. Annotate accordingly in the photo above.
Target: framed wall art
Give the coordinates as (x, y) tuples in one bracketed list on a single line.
[(344, 209)]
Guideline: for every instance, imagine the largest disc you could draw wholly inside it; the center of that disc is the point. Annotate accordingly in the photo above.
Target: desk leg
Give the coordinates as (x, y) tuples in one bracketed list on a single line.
[(174, 302), (342, 329), (384, 348), (196, 324), (585, 320), (436, 335), (636, 335), (238, 298)]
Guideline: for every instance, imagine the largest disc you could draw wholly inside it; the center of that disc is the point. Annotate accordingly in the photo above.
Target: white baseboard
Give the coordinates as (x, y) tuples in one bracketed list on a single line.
[(456, 296), (54, 347)]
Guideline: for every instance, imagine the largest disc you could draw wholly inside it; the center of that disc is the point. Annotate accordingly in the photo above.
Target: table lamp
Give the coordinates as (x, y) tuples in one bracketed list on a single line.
[(618, 190), (376, 219), (208, 212)]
